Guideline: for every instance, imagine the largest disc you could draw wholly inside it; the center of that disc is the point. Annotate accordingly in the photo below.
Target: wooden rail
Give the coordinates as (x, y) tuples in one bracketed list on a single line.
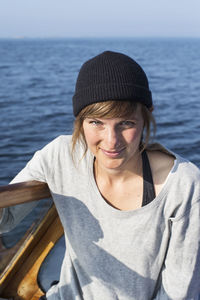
[(19, 279), (18, 193)]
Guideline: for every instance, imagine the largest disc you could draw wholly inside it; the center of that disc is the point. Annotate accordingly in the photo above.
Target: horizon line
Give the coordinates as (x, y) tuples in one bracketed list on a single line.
[(100, 37)]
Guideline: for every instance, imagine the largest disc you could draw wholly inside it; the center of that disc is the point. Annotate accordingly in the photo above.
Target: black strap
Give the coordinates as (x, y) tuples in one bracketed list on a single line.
[(148, 186)]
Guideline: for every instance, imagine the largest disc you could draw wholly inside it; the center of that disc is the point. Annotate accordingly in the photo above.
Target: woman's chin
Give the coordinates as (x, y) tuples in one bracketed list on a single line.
[(111, 164)]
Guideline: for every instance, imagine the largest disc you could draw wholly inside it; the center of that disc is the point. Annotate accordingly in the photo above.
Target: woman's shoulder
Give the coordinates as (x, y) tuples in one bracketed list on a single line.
[(62, 141), (161, 162), (164, 161), (61, 148)]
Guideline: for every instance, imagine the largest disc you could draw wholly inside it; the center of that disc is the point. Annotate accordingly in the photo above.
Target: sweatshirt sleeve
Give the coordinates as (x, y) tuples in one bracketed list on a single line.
[(11, 216), (180, 277)]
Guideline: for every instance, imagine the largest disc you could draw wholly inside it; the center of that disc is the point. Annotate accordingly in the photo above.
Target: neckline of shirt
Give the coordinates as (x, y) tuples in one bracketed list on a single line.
[(128, 213)]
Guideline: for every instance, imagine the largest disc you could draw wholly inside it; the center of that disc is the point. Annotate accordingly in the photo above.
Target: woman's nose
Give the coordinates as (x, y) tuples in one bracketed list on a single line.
[(112, 138)]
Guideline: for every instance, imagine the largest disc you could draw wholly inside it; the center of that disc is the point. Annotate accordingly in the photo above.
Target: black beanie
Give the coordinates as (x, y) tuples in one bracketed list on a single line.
[(111, 76)]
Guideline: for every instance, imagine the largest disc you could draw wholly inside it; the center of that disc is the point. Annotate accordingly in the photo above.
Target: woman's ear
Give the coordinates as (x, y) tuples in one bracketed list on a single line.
[(151, 108)]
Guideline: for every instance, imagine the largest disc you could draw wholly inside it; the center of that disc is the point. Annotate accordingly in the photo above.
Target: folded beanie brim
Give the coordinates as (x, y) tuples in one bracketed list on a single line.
[(106, 92)]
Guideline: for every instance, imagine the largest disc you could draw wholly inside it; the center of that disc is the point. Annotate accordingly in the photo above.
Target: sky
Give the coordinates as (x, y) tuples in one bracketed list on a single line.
[(103, 18)]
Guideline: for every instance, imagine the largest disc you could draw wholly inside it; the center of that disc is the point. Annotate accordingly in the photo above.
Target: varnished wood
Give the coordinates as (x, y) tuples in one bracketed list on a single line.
[(19, 279), (18, 193), (6, 255)]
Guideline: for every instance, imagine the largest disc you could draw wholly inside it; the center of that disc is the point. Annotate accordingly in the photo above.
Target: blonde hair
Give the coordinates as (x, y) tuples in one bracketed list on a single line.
[(112, 109)]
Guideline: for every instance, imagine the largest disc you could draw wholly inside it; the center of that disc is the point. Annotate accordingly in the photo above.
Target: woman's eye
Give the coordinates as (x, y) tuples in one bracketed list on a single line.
[(95, 122), (128, 123)]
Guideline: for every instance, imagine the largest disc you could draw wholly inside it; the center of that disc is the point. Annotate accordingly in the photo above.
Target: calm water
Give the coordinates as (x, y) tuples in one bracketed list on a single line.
[(37, 80)]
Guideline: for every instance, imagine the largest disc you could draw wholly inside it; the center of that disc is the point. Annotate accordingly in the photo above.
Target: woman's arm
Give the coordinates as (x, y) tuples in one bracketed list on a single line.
[(17, 201), (38, 168), (18, 192), (180, 277), (14, 194)]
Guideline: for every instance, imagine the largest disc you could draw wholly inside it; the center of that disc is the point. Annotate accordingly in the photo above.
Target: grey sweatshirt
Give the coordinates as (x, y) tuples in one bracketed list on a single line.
[(150, 253)]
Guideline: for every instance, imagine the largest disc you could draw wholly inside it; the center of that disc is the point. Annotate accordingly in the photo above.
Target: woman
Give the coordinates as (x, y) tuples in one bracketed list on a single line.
[(130, 211)]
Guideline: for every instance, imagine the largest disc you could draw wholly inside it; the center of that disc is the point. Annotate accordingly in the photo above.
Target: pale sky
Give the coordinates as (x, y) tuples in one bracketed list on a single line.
[(103, 18)]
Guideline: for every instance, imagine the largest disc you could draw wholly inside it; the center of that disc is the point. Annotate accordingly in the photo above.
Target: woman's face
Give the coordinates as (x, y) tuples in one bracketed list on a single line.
[(114, 142)]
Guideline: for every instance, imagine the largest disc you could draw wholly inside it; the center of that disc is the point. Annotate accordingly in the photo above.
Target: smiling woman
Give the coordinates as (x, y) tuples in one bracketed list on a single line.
[(113, 109), (112, 187), (117, 138)]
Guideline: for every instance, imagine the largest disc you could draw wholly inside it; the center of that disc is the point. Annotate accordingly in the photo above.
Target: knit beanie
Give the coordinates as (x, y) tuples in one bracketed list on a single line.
[(111, 76)]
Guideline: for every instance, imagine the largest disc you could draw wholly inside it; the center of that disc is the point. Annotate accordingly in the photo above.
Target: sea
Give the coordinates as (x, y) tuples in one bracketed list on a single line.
[(37, 79)]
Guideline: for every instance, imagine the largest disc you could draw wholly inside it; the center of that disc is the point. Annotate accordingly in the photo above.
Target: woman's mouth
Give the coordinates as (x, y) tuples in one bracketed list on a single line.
[(113, 153)]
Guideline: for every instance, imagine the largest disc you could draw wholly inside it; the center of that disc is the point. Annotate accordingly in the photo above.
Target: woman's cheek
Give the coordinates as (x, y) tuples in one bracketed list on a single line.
[(133, 135), (91, 136)]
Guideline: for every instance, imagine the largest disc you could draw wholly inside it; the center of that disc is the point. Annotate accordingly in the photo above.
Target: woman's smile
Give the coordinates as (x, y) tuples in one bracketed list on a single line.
[(113, 153)]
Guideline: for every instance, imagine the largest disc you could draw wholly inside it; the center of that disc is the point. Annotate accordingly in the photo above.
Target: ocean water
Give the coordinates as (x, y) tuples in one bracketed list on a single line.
[(37, 79)]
